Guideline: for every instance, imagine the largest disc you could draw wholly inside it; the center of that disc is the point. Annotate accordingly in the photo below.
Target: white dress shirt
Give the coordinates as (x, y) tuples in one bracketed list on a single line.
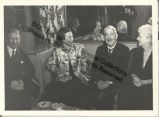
[(10, 50), (111, 48)]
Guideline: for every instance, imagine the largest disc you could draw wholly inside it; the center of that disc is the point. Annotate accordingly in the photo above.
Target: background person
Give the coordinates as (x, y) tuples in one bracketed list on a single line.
[(96, 33), (122, 29), (75, 28)]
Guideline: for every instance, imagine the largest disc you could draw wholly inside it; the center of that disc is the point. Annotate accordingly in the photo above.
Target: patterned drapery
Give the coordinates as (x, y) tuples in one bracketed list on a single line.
[(51, 19)]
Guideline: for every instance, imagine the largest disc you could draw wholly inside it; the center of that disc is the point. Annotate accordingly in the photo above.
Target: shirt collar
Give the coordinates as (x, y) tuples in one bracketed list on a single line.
[(112, 47), (10, 50)]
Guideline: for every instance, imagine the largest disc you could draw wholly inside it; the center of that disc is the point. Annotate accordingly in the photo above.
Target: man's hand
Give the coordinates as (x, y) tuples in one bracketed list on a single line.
[(17, 85), (104, 84)]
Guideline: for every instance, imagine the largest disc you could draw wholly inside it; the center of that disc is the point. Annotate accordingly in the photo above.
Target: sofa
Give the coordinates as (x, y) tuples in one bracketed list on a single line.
[(90, 47)]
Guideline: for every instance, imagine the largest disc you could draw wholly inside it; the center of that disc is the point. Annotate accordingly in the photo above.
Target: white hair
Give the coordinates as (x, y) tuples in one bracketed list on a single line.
[(150, 21), (122, 26), (146, 29), (110, 27)]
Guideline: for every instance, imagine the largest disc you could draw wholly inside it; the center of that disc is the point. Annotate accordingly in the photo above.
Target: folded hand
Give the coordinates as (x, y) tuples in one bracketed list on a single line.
[(137, 81), (17, 85)]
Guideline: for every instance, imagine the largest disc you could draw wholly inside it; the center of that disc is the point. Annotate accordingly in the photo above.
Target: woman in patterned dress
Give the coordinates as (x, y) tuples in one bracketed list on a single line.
[(69, 73)]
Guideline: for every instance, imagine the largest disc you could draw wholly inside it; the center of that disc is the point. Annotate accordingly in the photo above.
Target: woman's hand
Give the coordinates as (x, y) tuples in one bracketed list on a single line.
[(136, 80)]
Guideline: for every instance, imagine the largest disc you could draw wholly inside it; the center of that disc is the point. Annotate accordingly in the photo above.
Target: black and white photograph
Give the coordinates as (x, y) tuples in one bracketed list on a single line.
[(79, 58)]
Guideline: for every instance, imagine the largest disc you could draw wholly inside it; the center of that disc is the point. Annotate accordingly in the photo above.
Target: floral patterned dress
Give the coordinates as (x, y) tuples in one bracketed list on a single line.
[(71, 72), (58, 63)]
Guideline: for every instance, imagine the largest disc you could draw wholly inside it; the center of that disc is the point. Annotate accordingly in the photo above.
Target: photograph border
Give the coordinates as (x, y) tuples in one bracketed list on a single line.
[(126, 113)]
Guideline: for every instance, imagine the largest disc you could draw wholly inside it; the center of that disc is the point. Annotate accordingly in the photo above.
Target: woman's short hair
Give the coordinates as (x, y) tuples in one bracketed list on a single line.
[(122, 26), (60, 36), (146, 29)]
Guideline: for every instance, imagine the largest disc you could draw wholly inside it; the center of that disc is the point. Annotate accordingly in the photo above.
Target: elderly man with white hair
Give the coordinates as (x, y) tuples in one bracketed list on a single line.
[(109, 69), (141, 71)]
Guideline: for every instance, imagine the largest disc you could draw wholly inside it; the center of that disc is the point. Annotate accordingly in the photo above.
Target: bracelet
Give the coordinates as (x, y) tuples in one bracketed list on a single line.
[(144, 82)]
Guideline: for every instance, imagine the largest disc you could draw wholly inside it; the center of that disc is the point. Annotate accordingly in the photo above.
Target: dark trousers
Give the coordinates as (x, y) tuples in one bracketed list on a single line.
[(105, 99), (18, 100), (72, 93), (136, 98)]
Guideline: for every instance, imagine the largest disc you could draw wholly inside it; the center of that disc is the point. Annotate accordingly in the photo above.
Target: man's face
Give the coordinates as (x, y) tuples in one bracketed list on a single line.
[(143, 39), (110, 37), (68, 38), (14, 39)]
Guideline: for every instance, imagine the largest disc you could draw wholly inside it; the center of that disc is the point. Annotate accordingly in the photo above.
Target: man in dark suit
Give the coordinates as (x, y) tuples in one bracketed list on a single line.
[(109, 69), (19, 73)]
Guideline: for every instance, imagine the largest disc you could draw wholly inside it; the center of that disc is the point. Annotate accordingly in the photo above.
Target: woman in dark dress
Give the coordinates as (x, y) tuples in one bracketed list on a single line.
[(141, 71)]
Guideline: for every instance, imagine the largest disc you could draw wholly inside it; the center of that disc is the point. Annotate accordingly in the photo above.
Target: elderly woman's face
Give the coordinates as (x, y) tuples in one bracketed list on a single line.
[(143, 39), (68, 37)]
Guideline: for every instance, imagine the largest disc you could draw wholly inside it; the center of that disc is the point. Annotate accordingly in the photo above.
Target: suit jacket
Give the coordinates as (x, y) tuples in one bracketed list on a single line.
[(18, 67), (110, 67)]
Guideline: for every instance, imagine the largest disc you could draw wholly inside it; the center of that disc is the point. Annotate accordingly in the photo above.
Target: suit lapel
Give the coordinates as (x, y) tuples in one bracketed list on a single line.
[(7, 56), (18, 56)]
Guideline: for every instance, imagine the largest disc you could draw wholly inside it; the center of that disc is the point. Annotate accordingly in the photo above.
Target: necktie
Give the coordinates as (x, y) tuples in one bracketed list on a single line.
[(110, 51), (13, 54)]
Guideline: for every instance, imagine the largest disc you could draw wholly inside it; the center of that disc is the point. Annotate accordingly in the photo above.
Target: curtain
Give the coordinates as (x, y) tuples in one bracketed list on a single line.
[(51, 19)]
